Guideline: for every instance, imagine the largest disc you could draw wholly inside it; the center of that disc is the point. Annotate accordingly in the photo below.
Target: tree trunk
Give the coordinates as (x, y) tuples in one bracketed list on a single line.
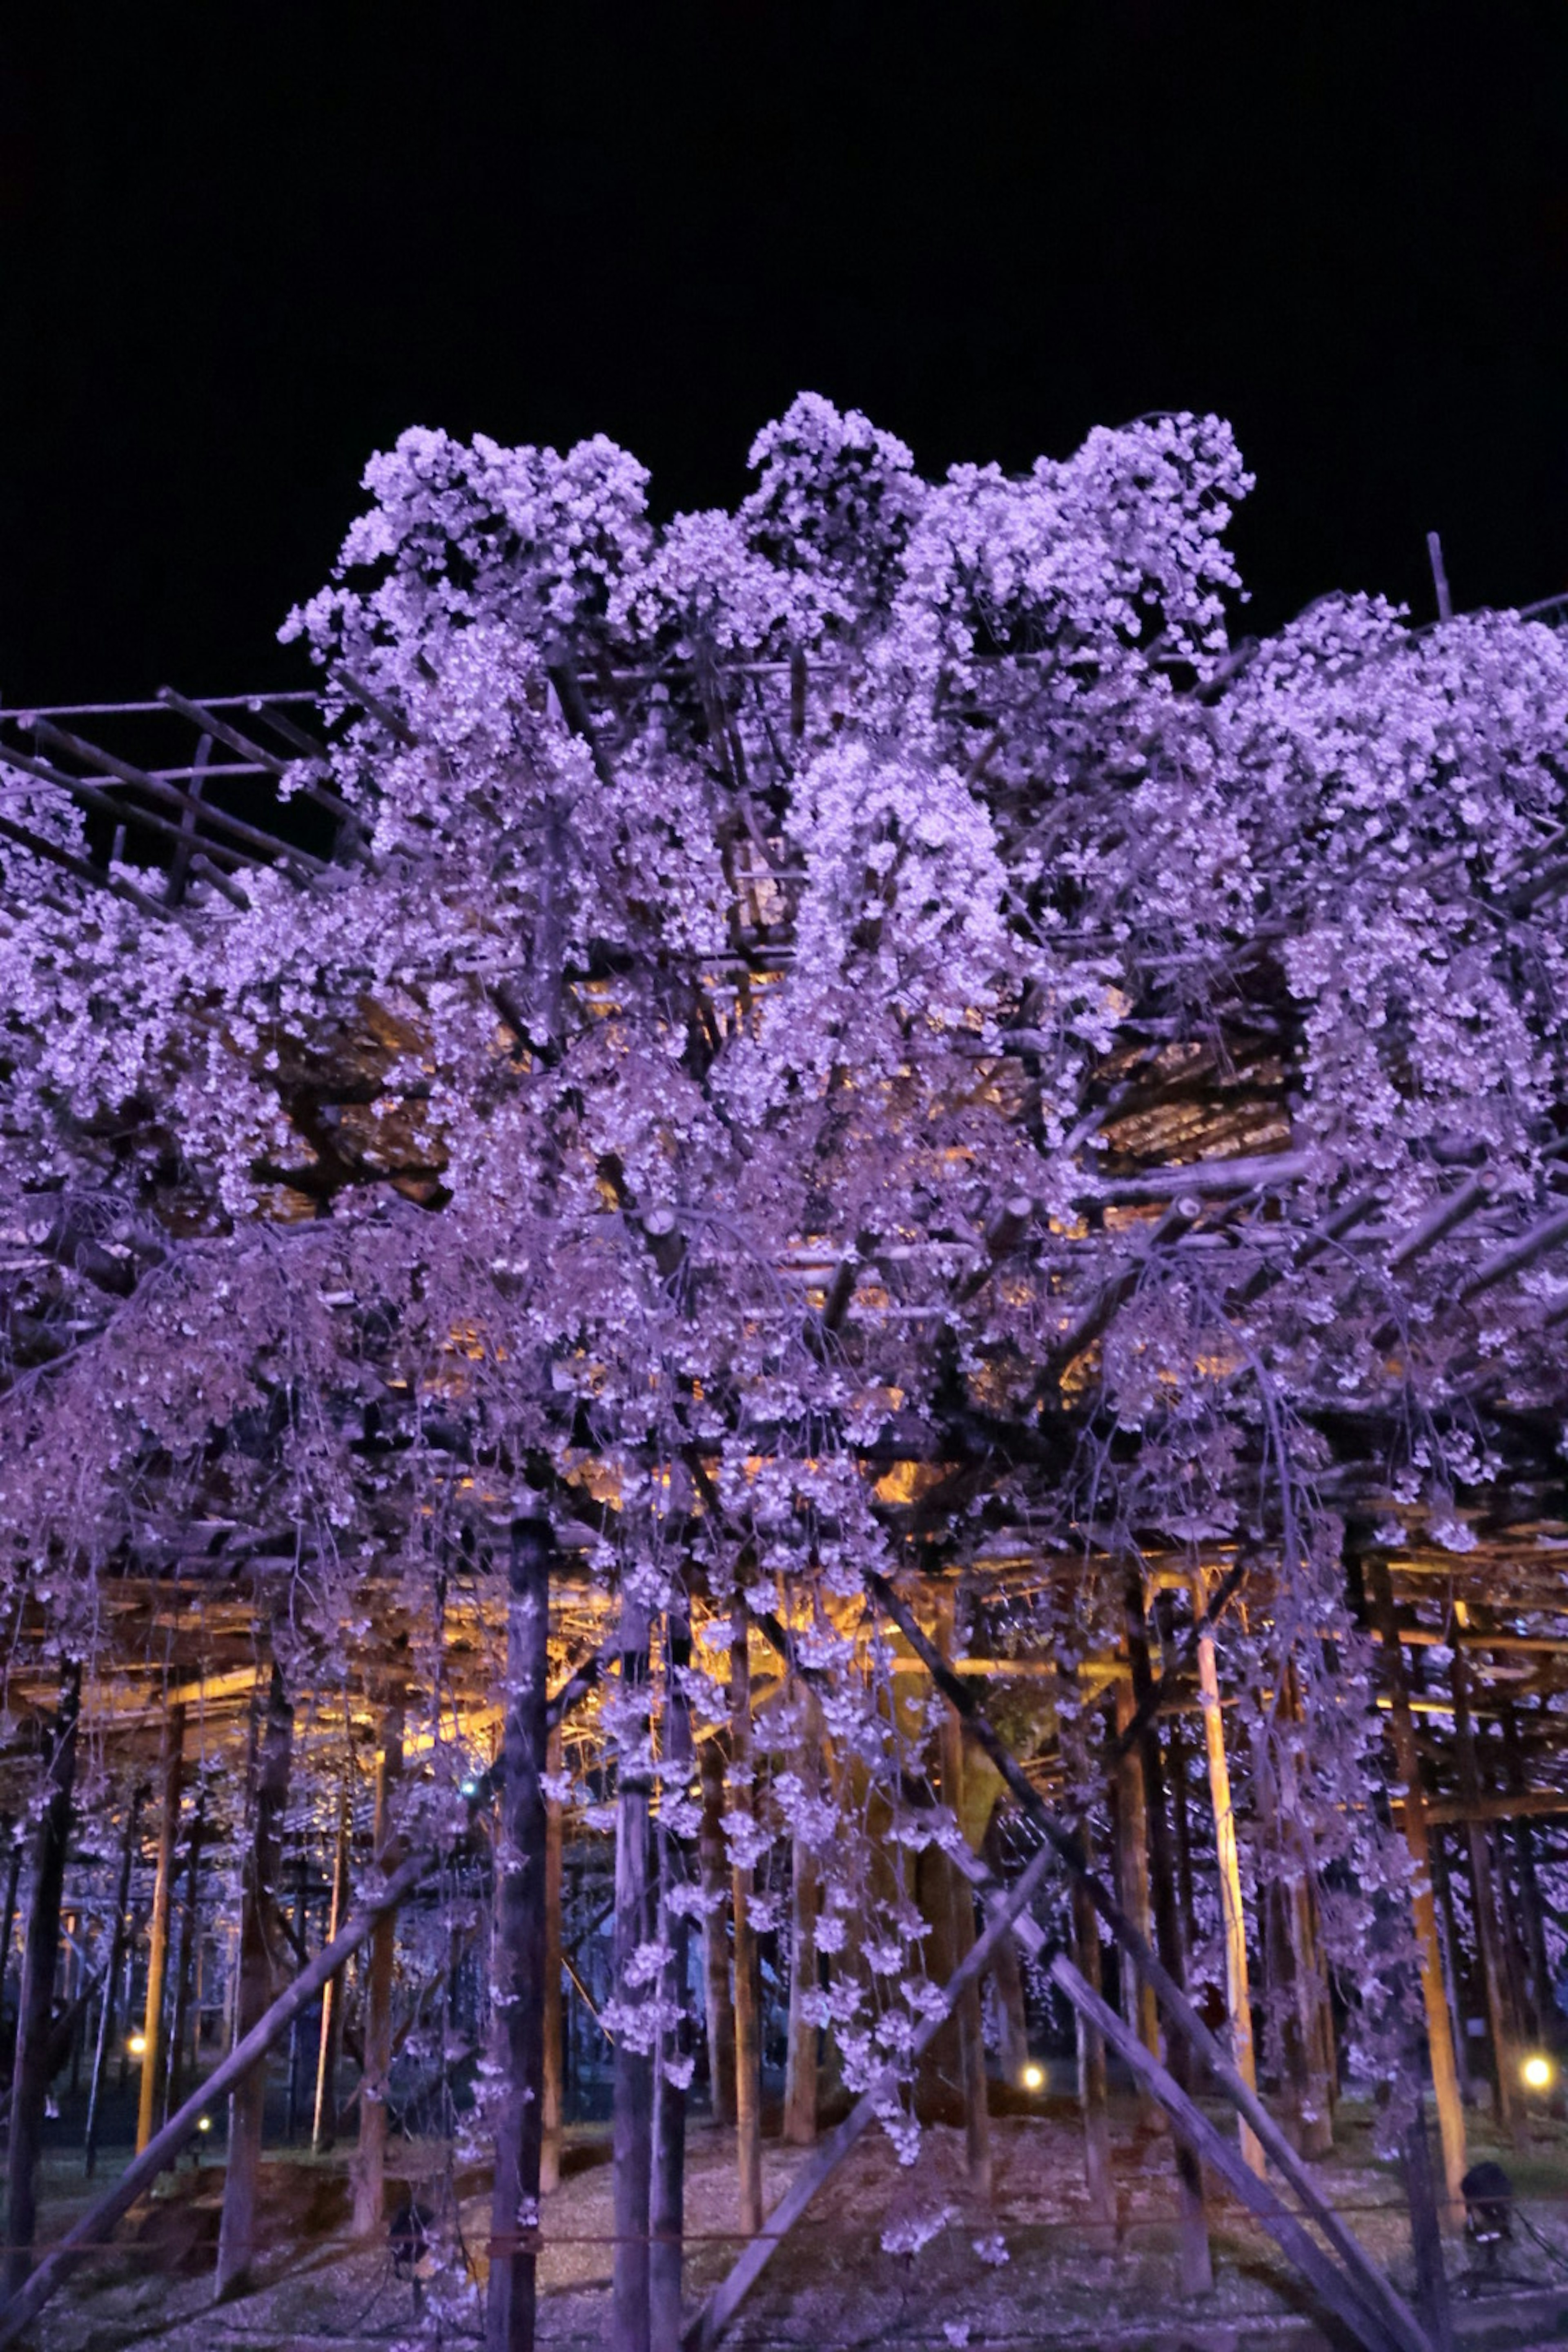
[(13, 1878), (518, 1947), (1533, 1916), (119, 1936), (367, 2172), (1452, 1958), (171, 1763), (667, 2207), (748, 1987), (324, 2125), (1238, 1995), (805, 1895), (35, 2000), (237, 2231), (632, 2121), (719, 2000), (1197, 2268)]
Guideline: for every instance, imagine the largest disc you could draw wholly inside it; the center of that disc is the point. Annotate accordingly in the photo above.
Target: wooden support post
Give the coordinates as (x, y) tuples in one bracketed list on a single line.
[(718, 1999), (748, 1986), (1092, 2084), (171, 1776), (324, 2123), (961, 1907), (91, 2231), (238, 2229), (1408, 1760), (518, 1947), (185, 1966), (816, 2170), (1138, 2003), (1532, 1916), (367, 2172), (1488, 1937), (801, 2057), (119, 1938), (1237, 1989), (35, 2001), (1199, 2136), (632, 2116), (1452, 1958), (554, 2084), (667, 2214), (1065, 1845), (1196, 2263)]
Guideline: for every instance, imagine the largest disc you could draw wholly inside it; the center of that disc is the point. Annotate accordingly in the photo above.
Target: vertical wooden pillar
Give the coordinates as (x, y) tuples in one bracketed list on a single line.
[(718, 1999), (748, 1987), (1488, 1937), (119, 1938), (1407, 1761), (631, 2129), (1197, 2264), (1531, 1914), (35, 2001), (367, 2173), (666, 2215), (1237, 1989), (237, 2231), (1138, 2003), (185, 1970), (172, 1769), (324, 2123), (1451, 1954), (805, 1896), (13, 1878), (961, 1901), (518, 1947), (1091, 2068), (550, 2146)]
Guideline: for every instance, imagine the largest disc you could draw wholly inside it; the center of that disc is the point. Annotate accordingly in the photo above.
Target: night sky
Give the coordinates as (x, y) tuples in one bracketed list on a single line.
[(243, 246)]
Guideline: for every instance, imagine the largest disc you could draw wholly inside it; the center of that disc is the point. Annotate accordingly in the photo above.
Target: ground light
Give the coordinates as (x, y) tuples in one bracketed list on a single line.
[(1538, 2073), (1034, 2076), (137, 2045), (204, 2123)]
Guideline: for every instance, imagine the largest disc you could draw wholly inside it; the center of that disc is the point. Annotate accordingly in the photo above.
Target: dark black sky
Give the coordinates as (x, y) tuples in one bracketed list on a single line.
[(240, 247)]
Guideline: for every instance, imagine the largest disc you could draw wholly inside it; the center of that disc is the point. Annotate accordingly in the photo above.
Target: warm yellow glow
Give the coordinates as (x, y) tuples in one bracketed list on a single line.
[(137, 2045), (1537, 2073), (1034, 2076), (204, 2123)]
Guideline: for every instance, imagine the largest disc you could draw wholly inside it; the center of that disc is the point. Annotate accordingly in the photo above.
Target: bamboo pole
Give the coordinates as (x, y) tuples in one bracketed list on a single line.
[(632, 2117), (801, 2062), (119, 1938), (718, 1996), (666, 2213), (1197, 2262), (553, 2072), (367, 2172), (324, 2122), (90, 2232), (1237, 1991), (1434, 1999), (237, 2227), (748, 1988), (1489, 1939), (518, 1943), (173, 1768), (35, 2001), (961, 1911)]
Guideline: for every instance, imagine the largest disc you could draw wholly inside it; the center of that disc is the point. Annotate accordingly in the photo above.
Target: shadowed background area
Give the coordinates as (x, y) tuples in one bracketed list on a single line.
[(241, 249)]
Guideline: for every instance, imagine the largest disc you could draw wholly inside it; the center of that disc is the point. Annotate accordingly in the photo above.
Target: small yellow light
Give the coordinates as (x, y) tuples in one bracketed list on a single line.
[(137, 2045), (1034, 2076), (1537, 2073), (204, 2123)]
